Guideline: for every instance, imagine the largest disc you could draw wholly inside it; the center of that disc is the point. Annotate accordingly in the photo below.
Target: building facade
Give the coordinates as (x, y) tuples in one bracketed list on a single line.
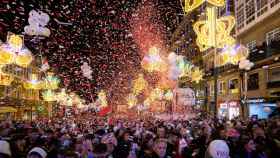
[(252, 92)]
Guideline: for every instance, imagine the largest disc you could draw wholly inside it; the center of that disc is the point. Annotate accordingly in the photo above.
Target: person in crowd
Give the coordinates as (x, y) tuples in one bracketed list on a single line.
[(91, 136)]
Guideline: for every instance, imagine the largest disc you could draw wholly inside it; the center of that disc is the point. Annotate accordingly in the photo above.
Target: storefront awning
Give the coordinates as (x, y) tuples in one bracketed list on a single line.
[(6, 109)]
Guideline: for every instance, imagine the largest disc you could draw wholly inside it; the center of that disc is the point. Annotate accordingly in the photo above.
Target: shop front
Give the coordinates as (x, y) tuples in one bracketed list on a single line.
[(260, 108), (229, 109)]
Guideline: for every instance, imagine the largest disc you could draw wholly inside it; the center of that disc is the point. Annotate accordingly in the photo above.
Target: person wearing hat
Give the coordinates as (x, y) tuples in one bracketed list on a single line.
[(37, 152), (5, 150)]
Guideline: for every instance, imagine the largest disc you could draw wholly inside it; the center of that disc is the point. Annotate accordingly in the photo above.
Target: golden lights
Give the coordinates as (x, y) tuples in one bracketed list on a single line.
[(214, 32), (153, 62), (51, 82), (232, 55), (196, 75), (139, 84), (33, 83), (14, 52), (190, 5), (102, 97), (49, 96), (131, 100)]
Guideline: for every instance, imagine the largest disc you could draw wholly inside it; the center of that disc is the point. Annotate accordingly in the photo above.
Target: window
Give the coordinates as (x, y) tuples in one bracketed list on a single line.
[(253, 82), (274, 3), (211, 89), (240, 16), (250, 11), (221, 87), (252, 45), (273, 35), (274, 74), (233, 86), (261, 7)]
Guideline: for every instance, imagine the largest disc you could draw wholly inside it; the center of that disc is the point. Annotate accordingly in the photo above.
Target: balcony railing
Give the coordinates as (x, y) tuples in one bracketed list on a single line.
[(262, 52), (275, 84)]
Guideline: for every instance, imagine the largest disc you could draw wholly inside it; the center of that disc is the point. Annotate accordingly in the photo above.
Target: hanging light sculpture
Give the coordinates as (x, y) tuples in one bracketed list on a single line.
[(190, 5), (214, 32), (14, 52)]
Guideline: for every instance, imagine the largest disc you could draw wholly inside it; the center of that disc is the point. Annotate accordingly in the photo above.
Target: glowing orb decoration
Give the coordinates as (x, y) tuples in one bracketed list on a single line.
[(232, 55), (246, 64), (196, 75), (15, 41), (37, 22), (14, 52), (49, 95), (214, 32), (102, 98), (139, 84), (190, 5), (152, 62), (34, 83), (51, 82), (131, 100)]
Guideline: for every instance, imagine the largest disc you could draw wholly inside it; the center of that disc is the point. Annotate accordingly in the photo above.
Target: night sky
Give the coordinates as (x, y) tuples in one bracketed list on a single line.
[(110, 35)]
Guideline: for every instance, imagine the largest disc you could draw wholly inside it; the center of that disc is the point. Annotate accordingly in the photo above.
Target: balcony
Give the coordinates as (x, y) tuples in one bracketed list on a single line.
[(262, 52), (275, 84)]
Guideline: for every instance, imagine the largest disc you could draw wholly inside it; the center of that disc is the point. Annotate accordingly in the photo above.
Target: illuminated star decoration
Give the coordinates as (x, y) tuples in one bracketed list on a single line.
[(190, 5), (210, 36), (139, 84), (196, 75), (152, 62), (14, 52)]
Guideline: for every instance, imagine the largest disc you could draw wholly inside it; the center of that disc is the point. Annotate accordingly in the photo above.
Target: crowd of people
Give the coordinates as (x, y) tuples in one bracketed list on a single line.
[(88, 136)]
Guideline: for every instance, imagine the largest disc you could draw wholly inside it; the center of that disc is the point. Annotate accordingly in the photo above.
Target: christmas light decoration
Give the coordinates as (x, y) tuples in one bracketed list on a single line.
[(156, 93), (5, 79), (147, 103), (51, 82), (139, 84), (14, 52), (49, 95), (186, 69), (102, 98), (153, 61), (196, 75), (190, 5), (33, 83), (232, 55), (131, 100), (168, 95), (214, 32)]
